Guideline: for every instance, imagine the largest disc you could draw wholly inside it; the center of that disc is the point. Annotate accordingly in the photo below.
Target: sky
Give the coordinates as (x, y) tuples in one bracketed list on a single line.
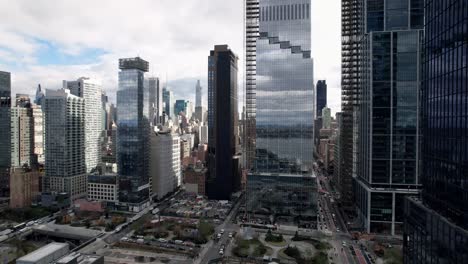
[(47, 41)]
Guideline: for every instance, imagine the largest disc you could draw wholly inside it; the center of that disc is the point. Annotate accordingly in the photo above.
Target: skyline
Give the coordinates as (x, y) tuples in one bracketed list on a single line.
[(36, 48)]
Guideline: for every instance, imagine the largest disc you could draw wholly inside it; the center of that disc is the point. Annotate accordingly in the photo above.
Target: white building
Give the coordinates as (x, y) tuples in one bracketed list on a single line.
[(64, 123), (103, 188), (203, 135), (91, 91), (46, 254), (38, 133), (165, 171)]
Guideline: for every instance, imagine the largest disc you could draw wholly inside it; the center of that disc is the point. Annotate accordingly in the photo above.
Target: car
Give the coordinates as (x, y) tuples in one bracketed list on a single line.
[(162, 240), (343, 243), (337, 230), (230, 235), (221, 252), (222, 231), (178, 242)]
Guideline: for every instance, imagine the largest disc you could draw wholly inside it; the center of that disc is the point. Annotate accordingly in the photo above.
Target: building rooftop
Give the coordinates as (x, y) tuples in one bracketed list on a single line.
[(43, 252), (136, 63)]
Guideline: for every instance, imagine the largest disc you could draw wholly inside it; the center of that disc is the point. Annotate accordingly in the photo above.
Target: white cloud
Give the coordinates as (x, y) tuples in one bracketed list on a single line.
[(175, 36)]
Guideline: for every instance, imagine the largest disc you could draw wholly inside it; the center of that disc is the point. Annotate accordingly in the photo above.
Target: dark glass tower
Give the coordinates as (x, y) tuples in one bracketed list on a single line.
[(350, 40), (283, 102), (321, 97), (5, 133), (388, 131), (436, 227), (223, 135), (133, 131)]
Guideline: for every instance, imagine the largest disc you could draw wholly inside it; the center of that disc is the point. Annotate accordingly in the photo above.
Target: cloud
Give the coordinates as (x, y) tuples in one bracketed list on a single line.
[(174, 36)]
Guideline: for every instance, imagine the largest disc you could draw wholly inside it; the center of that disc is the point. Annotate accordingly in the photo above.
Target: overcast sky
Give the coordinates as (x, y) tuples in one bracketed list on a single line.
[(47, 41)]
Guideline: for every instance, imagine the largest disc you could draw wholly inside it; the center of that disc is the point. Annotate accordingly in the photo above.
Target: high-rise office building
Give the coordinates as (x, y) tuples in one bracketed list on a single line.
[(388, 132), (91, 92), (5, 132), (39, 99), (321, 96), (280, 98), (133, 132), (223, 137), (198, 95), (185, 107), (168, 100), (436, 227), (22, 133), (326, 117), (65, 163), (159, 100), (199, 110)]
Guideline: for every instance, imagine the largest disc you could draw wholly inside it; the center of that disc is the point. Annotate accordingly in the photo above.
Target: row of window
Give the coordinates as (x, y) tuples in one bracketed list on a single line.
[(285, 12)]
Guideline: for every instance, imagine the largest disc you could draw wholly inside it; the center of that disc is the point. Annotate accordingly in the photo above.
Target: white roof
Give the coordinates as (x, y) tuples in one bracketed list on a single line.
[(43, 252)]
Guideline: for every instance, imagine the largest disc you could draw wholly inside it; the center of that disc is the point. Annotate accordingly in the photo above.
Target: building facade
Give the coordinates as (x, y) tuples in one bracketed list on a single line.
[(25, 187), (22, 133), (251, 34), (91, 92), (321, 96), (5, 132), (38, 133), (65, 166), (283, 104), (326, 118), (388, 149), (103, 188), (168, 100), (436, 226), (351, 28), (223, 137), (165, 169), (133, 132)]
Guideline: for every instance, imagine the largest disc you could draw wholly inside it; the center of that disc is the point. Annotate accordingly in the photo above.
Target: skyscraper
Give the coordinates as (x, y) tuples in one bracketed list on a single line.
[(223, 137), (39, 95), (321, 96), (280, 97), (38, 117), (133, 132), (199, 110), (22, 133), (251, 34), (91, 92), (155, 100), (168, 100), (65, 163), (350, 42), (198, 95), (326, 117), (388, 131), (5, 132), (436, 227)]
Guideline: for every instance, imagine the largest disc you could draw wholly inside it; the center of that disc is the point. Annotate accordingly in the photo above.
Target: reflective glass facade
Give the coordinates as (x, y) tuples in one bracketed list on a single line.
[(436, 227), (5, 132), (133, 131), (5, 129), (223, 136), (388, 119), (321, 97), (284, 96)]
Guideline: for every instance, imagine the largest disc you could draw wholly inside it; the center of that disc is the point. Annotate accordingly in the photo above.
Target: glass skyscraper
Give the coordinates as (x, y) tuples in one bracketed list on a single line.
[(321, 96), (284, 112), (133, 132), (436, 227), (223, 136), (5, 132), (388, 131), (168, 98)]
